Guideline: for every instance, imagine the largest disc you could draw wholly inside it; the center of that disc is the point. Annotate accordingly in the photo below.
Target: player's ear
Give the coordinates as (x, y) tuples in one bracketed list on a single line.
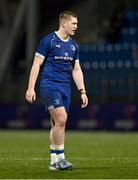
[(63, 23)]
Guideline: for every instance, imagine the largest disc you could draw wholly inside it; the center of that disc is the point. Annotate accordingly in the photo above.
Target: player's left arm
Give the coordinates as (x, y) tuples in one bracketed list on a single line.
[(79, 81)]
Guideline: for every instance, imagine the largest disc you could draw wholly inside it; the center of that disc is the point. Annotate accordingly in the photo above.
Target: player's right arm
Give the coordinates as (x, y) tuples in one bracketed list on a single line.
[(30, 93)]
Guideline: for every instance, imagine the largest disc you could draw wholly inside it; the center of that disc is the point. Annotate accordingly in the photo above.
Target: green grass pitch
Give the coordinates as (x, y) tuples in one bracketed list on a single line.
[(96, 155)]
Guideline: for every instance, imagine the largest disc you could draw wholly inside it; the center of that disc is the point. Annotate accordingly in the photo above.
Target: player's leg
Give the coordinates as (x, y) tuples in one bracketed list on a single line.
[(60, 117), (56, 139)]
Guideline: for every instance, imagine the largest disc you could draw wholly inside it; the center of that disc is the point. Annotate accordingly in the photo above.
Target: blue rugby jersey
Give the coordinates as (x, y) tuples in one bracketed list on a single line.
[(59, 56)]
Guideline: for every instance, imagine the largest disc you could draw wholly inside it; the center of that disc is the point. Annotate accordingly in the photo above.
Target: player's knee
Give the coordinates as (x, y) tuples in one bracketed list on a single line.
[(61, 119)]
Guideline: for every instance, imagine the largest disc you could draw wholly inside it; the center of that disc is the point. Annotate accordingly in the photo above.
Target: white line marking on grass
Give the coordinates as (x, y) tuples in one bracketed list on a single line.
[(75, 158)]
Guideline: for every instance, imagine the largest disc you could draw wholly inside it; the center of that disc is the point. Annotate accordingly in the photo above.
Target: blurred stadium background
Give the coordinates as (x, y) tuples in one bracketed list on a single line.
[(108, 40)]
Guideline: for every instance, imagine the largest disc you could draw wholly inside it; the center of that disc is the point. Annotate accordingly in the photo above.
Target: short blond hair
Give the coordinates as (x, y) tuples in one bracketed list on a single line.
[(66, 15)]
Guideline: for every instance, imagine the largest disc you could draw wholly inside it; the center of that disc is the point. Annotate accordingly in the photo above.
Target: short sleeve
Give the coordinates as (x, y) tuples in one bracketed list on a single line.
[(76, 57), (43, 48)]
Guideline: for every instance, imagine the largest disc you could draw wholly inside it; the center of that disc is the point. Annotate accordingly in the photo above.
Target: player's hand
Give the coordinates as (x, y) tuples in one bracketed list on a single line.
[(30, 96), (84, 100)]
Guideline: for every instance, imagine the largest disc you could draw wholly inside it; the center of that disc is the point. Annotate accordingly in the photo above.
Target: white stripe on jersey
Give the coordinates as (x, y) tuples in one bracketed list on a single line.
[(39, 55)]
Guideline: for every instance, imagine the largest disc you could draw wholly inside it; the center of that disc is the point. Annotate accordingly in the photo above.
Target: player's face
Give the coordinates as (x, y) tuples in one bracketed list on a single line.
[(71, 26)]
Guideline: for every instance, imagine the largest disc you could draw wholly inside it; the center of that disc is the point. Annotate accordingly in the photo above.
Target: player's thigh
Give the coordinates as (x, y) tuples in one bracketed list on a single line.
[(59, 115)]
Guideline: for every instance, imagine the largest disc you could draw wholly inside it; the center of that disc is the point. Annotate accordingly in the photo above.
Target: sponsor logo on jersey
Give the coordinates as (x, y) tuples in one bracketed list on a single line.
[(73, 48), (58, 45), (63, 57)]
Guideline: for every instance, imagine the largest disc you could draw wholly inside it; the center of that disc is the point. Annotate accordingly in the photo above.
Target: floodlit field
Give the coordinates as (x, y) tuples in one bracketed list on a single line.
[(96, 155)]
